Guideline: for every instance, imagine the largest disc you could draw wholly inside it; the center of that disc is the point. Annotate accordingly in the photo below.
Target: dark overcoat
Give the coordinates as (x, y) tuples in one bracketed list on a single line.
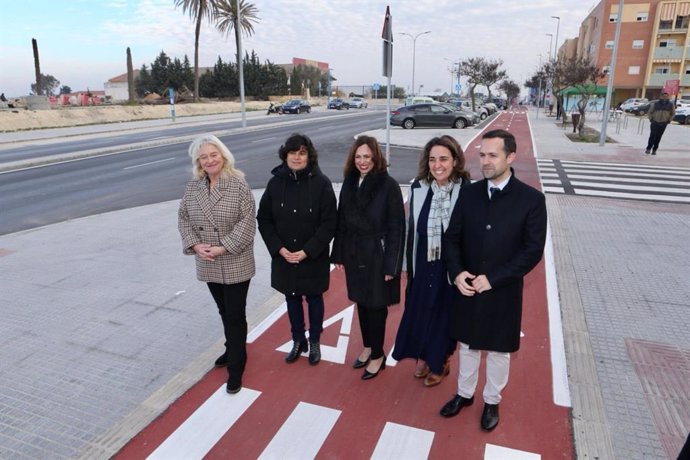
[(369, 240), (502, 238), (298, 212)]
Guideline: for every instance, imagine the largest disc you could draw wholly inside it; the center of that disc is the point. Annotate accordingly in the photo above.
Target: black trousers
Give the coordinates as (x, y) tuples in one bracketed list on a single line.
[(372, 323), (231, 300), (656, 130)]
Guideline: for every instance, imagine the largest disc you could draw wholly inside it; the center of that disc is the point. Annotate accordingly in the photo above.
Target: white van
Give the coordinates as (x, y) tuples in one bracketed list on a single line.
[(411, 100)]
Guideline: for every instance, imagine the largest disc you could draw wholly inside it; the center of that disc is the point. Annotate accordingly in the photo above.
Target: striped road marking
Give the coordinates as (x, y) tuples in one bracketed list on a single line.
[(400, 441)]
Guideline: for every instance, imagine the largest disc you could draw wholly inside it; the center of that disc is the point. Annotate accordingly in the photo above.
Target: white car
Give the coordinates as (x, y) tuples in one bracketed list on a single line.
[(683, 115), (632, 102), (682, 103), (358, 103)]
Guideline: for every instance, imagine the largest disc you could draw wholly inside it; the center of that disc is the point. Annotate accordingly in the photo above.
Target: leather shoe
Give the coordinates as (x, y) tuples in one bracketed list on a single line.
[(370, 375), (452, 407), (234, 384), (222, 361), (489, 417), (297, 349), (422, 371), (314, 353), (360, 364), (434, 379)]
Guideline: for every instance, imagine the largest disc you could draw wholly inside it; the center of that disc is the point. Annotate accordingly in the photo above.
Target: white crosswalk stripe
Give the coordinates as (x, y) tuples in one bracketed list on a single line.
[(616, 180)]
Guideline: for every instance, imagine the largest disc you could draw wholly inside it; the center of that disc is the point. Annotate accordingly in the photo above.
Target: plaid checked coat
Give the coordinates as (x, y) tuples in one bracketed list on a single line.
[(223, 216)]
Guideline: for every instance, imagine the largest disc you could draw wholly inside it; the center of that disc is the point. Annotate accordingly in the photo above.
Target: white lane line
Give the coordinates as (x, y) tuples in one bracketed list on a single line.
[(634, 196), (147, 164), (640, 187), (632, 180), (554, 190), (623, 165), (204, 428), (615, 173), (400, 441), (263, 139), (303, 433), (493, 452)]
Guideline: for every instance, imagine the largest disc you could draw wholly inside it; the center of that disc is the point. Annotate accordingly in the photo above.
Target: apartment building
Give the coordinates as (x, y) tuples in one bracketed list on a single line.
[(654, 45)]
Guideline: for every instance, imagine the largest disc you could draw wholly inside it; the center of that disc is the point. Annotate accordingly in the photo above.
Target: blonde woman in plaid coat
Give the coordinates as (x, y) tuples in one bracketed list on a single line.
[(217, 224)]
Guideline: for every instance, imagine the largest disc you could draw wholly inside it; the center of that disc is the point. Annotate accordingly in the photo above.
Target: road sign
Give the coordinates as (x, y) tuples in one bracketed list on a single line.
[(376, 87)]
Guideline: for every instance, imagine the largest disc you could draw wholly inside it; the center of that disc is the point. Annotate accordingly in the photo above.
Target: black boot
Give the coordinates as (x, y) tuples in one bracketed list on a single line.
[(314, 353), (297, 349)]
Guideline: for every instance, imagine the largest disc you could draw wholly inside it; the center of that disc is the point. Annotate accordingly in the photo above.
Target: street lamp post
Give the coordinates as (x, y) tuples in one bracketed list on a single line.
[(550, 45), (452, 72), (558, 26), (414, 46)]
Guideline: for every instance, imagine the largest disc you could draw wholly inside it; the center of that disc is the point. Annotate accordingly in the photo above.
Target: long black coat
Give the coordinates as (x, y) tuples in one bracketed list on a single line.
[(298, 211), (502, 238), (369, 239)]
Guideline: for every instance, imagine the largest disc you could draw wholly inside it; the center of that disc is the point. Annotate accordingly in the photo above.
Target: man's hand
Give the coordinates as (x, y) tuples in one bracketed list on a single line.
[(481, 284), (464, 283)]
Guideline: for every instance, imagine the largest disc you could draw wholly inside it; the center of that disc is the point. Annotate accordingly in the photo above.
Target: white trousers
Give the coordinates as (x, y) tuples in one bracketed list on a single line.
[(497, 369)]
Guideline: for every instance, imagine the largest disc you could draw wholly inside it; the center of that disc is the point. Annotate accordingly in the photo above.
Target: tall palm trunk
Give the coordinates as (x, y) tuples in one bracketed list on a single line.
[(197, 32), (130, 77), (37, 67)]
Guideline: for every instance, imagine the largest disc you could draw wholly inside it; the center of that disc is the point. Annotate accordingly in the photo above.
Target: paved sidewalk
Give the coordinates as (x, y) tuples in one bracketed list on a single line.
[(104, 323)]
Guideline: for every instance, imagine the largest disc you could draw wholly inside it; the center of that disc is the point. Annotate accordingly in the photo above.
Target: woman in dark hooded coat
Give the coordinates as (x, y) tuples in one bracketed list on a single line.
[(297, 219)]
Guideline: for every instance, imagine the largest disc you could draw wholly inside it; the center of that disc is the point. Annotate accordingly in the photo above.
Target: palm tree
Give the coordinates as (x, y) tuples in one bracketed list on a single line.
[(198, 10), (226, 15)]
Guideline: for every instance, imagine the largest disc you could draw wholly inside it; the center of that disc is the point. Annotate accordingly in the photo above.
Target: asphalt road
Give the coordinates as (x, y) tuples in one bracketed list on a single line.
[(39, 196)]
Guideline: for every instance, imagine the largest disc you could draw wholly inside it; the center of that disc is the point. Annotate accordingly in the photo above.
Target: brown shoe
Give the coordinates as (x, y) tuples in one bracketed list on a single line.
[(422, 371), (434, 379)]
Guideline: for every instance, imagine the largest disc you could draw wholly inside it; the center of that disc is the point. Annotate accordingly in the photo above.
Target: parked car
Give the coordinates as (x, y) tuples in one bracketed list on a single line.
[(632, 102), (473, 116), (428, 115), (482, 111), (338, 104), (641, 109), (502, 104), (683, 115), (682, 103), (296, 106), (412, 100), (358, 103)]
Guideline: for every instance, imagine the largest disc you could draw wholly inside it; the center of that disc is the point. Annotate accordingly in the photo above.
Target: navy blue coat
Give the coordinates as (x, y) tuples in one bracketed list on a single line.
[(298, 211), (502, 238)]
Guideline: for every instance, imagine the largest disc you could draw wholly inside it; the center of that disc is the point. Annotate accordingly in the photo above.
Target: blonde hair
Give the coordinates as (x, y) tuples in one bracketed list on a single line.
[(228, 159)]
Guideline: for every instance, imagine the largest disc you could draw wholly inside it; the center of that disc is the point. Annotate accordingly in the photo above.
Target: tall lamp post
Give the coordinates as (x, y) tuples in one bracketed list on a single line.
[(550, 45), (452, 72), (414, 46), (558, 26)]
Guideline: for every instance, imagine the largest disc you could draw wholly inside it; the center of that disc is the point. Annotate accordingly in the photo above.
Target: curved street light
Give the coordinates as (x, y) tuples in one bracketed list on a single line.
[(558, 26), (414, 46)]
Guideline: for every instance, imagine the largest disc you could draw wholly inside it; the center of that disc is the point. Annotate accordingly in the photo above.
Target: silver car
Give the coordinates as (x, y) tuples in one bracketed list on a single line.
[(358, 103)]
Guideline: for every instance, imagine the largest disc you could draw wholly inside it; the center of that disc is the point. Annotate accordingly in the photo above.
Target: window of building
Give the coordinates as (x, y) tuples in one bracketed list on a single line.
[(662, 70), (682, 22), (642, 16), (687, 70), (609, 44), (606, 69), (638, 44), (665, 24), (634, 70), (613, 17), (668, 43)]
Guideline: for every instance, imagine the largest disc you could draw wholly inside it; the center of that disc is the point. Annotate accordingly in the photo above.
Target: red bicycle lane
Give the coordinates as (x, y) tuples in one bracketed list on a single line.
[(327, 411)]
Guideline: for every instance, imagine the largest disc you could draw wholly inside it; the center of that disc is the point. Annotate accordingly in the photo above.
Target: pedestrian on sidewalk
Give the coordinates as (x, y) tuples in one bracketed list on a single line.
[(423, 333), (369, 243), (661, 113), (217, 224), (495, 237), (297, 218)]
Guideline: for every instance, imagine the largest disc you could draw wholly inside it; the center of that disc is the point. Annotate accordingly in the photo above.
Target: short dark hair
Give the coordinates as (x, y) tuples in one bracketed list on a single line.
[(373, 144), (459, 172), (294, 143), (509, 144)]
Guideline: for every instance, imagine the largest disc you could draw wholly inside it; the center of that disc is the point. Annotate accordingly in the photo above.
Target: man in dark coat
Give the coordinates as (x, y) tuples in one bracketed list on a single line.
[(660, 115), (495, 237)]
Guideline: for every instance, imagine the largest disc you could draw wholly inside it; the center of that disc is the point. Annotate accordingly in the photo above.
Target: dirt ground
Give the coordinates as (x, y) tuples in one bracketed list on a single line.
[(22, 119)]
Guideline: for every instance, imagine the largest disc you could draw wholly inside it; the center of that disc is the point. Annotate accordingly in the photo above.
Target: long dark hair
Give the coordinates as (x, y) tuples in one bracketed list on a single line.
[(294, 143), (373, 144), (459, 172)]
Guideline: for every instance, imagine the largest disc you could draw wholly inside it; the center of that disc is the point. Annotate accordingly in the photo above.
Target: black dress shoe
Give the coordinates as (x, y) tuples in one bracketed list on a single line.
[(234, 384), (314, 353), (452, 407), (370, 375), (297, 349), (360, 364), (490, 417), (222, 361)]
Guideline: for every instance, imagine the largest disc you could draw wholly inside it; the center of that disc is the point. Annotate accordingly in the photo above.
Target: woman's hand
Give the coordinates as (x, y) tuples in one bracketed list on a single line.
[(203, 250), (388, 277), (338, 266)]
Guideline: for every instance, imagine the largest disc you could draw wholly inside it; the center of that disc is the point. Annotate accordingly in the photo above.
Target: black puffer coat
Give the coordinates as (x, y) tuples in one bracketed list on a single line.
[(298, 211), (370, 238)]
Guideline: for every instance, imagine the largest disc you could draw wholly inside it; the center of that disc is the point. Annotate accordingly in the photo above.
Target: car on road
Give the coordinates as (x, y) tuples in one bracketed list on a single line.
[(338, 104), (641, 109), (296, 106), (683, 115), (358, 103), (632, 102), (427, 115)]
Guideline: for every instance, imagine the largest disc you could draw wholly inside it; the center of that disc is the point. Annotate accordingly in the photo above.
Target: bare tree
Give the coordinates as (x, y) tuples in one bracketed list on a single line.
[(472, 68), (130, 77), (581, 74), (492, 74), (37, 67), (511, 89)]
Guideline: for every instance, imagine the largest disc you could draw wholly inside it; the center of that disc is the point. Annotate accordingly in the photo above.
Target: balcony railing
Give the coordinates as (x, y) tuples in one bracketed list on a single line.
[(658, 79), (672, 52)]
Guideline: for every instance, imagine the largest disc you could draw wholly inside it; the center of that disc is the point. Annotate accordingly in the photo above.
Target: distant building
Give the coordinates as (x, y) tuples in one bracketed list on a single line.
[(118, 88)]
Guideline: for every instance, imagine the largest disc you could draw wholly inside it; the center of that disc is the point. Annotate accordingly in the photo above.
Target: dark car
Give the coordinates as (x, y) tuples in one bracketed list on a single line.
[(641, 109), (429, 115), (296, 106), (338, 104)]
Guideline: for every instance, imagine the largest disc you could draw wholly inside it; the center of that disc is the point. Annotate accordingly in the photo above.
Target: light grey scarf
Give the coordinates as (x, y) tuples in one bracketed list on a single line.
[(439, 216)]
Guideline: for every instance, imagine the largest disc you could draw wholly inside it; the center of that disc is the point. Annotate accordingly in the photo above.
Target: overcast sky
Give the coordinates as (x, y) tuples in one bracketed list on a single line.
[(83, 43)]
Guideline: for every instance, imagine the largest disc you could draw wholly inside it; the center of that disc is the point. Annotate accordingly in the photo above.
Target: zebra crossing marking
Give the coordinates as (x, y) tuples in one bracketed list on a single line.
[(401, 441)]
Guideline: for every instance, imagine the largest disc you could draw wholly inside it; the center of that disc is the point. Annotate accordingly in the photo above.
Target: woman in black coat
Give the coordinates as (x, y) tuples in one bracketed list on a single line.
[(369, 244), (297, 218)]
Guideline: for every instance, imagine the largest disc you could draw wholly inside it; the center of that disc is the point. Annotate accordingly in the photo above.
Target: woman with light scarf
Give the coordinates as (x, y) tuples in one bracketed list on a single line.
[(423, 333)]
